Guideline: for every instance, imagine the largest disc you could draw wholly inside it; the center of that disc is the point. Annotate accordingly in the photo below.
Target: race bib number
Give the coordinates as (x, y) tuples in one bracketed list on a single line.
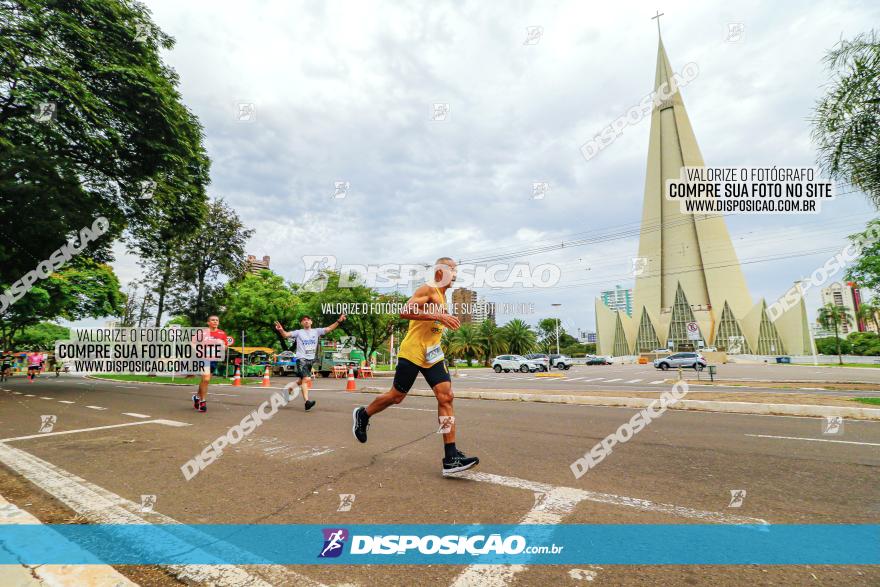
[(433, 354)]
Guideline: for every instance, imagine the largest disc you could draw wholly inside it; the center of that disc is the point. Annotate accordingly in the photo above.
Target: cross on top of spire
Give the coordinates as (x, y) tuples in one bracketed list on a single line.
[(657, 17)]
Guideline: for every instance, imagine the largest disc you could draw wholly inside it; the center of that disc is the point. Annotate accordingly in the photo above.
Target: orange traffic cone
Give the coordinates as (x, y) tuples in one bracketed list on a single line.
[(236, 381), (265, 377), (350, 386)]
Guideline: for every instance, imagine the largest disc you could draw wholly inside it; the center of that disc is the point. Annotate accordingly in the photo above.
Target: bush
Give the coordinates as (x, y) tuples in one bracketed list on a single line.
[(864, 343), (828, 346)]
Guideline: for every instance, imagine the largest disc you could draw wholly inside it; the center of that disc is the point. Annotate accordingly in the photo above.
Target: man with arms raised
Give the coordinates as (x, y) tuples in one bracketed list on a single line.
[(420, 352), (306, 346)]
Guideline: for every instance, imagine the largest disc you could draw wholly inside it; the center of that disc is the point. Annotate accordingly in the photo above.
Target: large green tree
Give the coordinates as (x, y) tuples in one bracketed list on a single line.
[(81, 290), (846, 124), (492, 341), (520, 337), (253, 303), (41, 337), (865, 270), (216, 250), (465, 342), (90, 120), (371, 328)]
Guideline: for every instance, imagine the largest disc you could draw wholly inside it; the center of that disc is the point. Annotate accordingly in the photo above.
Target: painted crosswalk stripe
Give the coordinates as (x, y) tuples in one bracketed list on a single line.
[(134, 415), (29, 395), (658, 382), (575, 379), (100, 506), (612, 380), (814, 439), (634, 380), (596, 379), (48, 398), (96, 408), (64, 401), (173, 423)]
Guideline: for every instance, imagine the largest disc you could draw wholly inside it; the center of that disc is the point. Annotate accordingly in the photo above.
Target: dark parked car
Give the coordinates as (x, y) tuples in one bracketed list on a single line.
[(598, 361)]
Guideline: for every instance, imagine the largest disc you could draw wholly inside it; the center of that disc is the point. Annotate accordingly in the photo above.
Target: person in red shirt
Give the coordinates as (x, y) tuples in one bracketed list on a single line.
[(200, 400)]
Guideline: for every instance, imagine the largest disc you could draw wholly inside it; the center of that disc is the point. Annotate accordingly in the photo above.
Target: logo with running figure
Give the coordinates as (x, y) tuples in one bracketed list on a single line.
[(334, 542)]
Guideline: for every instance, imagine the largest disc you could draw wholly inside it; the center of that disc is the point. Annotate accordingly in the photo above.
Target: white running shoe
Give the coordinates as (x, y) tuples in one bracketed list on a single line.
[(291, 392)]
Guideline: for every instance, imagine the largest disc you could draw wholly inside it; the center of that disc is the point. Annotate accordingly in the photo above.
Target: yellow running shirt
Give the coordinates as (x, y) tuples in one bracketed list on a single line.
[(421, 345)]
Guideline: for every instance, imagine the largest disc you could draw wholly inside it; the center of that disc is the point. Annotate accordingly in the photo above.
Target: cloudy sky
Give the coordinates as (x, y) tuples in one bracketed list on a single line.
[(344, 91)]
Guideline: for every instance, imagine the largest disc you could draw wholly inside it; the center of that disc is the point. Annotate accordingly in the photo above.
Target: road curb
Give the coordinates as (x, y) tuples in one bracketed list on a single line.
[(685, 404)]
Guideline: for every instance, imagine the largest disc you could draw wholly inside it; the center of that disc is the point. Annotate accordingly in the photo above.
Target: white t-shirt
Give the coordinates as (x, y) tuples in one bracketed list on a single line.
[(306, 341)]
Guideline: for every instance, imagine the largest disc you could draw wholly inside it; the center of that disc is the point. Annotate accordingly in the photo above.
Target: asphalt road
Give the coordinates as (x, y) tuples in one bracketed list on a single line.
[(647, 378), (293, 468)]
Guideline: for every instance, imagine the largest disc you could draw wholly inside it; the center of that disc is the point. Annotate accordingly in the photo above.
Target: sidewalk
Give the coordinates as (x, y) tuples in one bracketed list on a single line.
[(697, 399), (53, 575)]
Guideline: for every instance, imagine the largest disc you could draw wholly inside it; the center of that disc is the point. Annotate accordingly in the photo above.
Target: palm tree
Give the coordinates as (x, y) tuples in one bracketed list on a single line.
[(832, 316), (870, 312), (491, 340), (846, 123), (519, 336), (465, 342)]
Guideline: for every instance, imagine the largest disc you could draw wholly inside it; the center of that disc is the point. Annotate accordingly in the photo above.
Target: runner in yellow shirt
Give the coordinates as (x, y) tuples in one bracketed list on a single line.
[(420, 352)]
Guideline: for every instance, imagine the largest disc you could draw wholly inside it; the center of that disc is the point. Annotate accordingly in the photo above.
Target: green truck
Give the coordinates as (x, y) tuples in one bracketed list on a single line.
[(331, 355)]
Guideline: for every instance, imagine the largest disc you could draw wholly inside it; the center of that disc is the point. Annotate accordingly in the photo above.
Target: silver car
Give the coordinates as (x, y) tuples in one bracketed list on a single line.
[(508, 363), (676, 360)]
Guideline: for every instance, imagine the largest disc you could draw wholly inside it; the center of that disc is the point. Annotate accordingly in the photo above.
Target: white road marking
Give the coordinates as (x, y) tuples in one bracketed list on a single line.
[(15, 392), (126, 386), (29, 395), (815, 439), (596, 379), (229, 394), (612, 380), (48, 398), (44, 435), (133, 415), (658, 382), (96, 408), (100, 506), (416, 409), (575, 379), (553, 503), (633, 380), (96, 575), (64, 401)]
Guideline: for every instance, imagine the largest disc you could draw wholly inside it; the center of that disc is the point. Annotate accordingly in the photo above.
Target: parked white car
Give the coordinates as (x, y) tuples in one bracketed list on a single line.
[(508, 363)]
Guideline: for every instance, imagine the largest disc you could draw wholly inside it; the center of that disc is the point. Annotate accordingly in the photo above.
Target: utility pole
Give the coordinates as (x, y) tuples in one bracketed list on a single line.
[(557, 328)]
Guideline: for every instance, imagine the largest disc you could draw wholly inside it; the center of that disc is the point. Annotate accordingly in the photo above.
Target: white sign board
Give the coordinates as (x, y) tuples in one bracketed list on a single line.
[(693, 331)]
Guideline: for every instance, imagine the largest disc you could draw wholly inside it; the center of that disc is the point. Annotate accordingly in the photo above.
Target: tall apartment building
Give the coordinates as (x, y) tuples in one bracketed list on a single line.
[(844, 295), (470, 308), (618, 299), (484, 310), (463, 302)]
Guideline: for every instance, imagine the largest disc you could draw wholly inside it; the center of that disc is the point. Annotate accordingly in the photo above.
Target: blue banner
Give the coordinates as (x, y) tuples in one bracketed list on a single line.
[(372, 544)]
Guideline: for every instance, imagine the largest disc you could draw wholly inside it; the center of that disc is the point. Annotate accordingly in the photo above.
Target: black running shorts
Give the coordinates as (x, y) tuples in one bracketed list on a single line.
[(304, 368), (407, 371)]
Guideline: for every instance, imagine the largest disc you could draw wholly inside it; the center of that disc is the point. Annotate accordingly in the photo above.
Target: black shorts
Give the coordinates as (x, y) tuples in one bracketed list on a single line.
[(304, 367), (407, 371)]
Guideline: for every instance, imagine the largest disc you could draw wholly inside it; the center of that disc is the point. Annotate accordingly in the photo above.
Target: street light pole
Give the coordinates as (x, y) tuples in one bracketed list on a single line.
[(557, 328)]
